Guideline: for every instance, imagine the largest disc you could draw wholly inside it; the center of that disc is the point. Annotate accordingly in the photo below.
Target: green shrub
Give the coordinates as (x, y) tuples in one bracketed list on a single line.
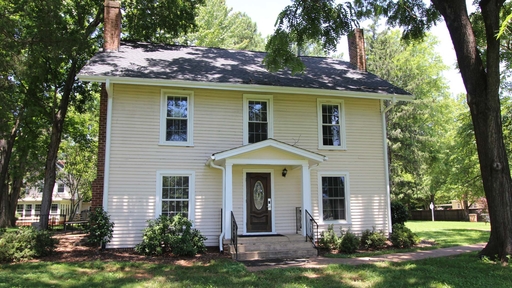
[(349, 242), (403, 237), (100, 228), (329, 239), (166, 235), (371, 239), (26, 243), (399, 213)]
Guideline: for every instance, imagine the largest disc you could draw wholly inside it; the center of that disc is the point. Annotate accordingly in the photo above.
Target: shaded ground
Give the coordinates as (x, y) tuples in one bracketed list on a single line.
[(73, 248)]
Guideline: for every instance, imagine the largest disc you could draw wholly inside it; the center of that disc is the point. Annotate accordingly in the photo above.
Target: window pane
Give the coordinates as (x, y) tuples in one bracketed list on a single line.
[(258, 121), (176, 130), (175, 196), (54, 208), (333, 198), (257, 132), (331, 135), (177, 107), (60, 188), (331, 128), (258, 111), (330, 114)]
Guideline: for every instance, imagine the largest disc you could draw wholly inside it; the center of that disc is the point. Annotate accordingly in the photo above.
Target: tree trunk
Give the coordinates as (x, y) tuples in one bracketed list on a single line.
[(6, 147), (50, 172), (482, 86), (13, 199)]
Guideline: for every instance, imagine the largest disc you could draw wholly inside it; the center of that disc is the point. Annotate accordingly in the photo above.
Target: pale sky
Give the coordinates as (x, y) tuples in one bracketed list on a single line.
[(264, 13)]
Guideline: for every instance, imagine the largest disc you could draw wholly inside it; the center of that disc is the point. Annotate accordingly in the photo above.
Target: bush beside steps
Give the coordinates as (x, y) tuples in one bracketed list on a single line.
[(349, 243)]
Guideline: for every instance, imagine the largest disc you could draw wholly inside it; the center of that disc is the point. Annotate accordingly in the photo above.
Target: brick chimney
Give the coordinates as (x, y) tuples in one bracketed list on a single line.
[(112, 34), (112, 25), (356, 49)]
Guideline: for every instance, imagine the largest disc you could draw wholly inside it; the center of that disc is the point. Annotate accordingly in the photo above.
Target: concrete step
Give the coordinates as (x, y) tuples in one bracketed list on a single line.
[(281, 254), (273, 247)]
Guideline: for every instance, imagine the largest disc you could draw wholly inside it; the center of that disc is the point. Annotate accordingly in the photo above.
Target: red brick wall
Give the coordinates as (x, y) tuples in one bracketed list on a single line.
[(112, 25), (97, 184), (356, 49)]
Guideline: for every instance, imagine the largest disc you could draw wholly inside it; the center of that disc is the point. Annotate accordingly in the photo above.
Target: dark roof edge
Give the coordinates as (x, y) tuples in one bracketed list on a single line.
[(245, 87)]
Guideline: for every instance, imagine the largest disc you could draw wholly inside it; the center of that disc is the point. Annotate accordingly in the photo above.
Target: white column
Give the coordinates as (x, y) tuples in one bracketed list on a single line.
[(306, 195), (229, 200)]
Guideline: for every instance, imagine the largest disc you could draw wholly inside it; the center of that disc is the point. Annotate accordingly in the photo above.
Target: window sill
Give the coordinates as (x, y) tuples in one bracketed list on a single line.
[(176, 144), (345, 222), (332, 148)]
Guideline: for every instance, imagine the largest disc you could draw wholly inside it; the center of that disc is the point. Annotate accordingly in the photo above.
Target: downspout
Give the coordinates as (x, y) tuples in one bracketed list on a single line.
[(221, 237), (386, 158), (106, 175)]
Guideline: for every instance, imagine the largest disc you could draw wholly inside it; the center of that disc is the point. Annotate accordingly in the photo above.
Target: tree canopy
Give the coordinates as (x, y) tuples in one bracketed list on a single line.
[(324, 20)]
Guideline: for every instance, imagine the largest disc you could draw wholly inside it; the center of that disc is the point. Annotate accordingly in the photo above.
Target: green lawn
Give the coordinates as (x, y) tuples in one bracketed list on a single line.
[(460, 271), (444, 233), (448, 234)]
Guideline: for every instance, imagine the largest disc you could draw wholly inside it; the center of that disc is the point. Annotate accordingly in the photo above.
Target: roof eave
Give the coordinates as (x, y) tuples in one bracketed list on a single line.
[(244, 87)]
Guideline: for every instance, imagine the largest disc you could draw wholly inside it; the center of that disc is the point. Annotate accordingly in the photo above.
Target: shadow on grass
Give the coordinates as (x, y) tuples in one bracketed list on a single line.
[(460, 271), (455, 237)]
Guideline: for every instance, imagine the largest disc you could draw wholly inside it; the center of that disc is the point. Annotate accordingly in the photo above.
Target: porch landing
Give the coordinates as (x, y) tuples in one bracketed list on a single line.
[(291, 246)]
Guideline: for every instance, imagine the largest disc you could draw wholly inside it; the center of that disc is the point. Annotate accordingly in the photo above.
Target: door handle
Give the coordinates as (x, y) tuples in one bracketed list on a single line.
[(269, 204)]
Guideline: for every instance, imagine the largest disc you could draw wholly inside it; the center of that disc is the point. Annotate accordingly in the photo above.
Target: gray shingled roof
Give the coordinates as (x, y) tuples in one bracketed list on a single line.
[(168, 62)]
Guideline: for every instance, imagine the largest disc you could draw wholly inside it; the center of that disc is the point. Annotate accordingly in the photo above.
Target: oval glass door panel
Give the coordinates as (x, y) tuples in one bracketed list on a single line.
[(258, 195)]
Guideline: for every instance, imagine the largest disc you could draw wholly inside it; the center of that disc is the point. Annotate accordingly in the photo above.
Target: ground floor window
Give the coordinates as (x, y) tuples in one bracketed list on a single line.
[(38, 209), (19, 210), (54, 209), (334, 196), (175, 192), (28, 210)]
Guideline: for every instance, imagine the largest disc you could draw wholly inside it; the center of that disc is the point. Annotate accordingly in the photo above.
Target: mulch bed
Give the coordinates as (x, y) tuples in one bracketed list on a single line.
[(74, 248)]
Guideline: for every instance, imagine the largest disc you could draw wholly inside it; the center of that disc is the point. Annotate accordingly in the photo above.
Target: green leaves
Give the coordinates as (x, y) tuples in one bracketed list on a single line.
[(305, 21), (217, 26), (158, 21)]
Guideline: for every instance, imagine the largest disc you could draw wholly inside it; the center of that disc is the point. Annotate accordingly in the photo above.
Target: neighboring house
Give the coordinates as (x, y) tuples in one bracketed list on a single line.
[(457, 204), (210, 132), (29, 207)]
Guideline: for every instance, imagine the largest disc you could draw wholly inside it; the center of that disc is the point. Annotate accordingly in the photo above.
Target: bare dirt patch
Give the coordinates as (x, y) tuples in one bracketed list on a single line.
[(74, 248)]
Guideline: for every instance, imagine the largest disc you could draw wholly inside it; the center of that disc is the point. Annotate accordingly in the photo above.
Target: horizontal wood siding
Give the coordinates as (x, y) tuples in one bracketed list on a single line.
[(136, 157)]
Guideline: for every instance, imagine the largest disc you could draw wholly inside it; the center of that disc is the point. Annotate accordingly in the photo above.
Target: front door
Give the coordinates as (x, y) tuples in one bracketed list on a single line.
[(259, 203)]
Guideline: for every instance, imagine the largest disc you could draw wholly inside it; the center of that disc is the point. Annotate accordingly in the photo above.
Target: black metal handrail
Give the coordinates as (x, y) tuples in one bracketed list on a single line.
[(298, 220), (311, 229), (234, 234)]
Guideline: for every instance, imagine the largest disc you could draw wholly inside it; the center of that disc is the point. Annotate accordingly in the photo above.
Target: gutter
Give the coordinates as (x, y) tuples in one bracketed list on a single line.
[(245, 87), (221, 236), (384, 110)]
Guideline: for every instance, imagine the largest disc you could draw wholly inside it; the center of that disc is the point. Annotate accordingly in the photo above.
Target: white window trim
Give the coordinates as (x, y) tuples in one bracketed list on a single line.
[(270, 115), (347, 197), (343, 142), (191, 191), (190, 119)]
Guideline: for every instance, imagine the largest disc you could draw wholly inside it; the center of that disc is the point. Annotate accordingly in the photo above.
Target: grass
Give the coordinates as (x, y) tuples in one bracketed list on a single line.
[(449, 234), (459, 271), (444, 233), (464, 270)]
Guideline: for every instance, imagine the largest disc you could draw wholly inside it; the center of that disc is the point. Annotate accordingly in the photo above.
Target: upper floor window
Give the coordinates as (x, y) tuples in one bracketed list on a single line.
[(176, 125), (258, 118), (60, 188), (331, 124), (334, 196)]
